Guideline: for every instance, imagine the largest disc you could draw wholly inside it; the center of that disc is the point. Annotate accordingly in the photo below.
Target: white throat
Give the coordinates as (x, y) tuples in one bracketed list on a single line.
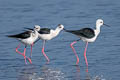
[(56, 31), (35, 33), (97, 30)]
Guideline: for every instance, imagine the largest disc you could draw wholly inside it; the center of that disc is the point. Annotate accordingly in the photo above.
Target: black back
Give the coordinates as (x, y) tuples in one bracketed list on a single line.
[(85, 32), (44, 31), (23, 35)]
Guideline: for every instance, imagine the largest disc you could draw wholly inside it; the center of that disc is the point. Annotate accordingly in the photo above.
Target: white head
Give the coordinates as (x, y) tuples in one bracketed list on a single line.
[(99, 22), (37, 27), (60, 27)]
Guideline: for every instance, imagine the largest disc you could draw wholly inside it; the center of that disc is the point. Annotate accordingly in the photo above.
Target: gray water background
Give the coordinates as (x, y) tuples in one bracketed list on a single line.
[(103, 55)]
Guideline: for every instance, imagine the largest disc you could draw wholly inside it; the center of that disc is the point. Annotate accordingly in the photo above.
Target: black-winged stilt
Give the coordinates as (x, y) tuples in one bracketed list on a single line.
[(48, 34), (87, 35), (27, 38)]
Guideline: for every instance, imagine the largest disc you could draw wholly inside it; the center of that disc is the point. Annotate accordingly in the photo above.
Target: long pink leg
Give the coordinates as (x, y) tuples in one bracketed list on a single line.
[(30, 61), (85, 54), (31, 50), (44, 52), (17, 50), (23, 54), (75, 51), (26, 57)]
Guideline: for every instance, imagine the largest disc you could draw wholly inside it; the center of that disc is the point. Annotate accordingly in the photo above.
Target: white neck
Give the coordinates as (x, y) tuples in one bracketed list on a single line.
[(56, 32), (35, 33), (97, 30)]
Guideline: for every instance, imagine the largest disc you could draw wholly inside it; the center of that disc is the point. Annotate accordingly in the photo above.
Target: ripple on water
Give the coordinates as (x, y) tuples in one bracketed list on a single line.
[(45, 73)]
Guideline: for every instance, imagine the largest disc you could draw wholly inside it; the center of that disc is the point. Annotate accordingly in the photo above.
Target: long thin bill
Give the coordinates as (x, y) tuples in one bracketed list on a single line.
[(28, 28), (106, 25)]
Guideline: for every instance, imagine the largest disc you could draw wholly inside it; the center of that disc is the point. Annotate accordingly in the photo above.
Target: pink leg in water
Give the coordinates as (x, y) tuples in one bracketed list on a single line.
[(85, 54), (23, 54), (75, 51), (44, 52), (31, 50), (30, 61), (17, 50)]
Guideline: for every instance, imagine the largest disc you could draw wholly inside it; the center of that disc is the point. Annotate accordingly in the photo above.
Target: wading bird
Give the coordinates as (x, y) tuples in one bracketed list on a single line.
[(27, 38), (87, 35), (46, 34)]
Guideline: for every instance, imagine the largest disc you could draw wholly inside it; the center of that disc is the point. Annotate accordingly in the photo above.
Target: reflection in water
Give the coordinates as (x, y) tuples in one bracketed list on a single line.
[(51, 74), (98, 78), (27, 73), (77, 72), (87, 76), (45, 73)]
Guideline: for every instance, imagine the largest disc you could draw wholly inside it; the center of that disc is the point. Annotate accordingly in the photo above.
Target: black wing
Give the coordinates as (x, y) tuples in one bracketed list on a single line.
[(44, 31), (85, 32), (23, 35)]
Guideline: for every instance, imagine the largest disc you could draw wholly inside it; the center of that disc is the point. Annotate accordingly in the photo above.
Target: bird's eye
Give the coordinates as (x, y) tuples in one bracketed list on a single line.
[(60, 27), (101, 22)]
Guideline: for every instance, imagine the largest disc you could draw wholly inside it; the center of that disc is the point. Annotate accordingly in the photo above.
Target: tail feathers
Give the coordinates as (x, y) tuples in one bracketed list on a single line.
[(12, 36)]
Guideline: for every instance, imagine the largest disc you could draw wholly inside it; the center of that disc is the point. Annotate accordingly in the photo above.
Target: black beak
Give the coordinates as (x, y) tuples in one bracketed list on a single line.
[(64, 29), (106, 25), (28, 28)]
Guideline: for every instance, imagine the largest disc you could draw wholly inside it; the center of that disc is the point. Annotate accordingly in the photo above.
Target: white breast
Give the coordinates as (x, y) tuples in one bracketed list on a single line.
[(91, 39), (50, 36), (30, 40)]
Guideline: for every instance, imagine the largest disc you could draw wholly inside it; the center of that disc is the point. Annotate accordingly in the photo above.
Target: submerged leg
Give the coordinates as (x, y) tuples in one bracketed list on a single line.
[(26, 57), (85, 54), (44, 52), (23, 54), (75, 51)]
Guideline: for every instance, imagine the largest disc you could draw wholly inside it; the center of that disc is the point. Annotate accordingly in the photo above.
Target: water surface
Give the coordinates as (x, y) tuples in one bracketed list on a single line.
[(103, 55)]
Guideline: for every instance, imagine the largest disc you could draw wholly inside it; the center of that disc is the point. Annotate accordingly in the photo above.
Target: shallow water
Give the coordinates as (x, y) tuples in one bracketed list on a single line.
[(103, 55)]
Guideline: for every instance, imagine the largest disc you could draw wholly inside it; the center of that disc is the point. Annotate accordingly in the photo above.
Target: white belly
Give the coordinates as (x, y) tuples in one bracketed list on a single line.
[(29, 40), (46, 36), (88, 40)]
